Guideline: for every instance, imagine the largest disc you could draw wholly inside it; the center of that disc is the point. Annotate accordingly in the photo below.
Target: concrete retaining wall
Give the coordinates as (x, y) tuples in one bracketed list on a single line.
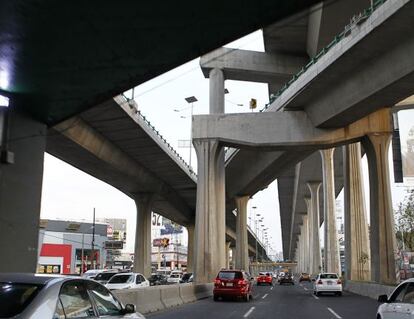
[(151, 299), (369, 289)]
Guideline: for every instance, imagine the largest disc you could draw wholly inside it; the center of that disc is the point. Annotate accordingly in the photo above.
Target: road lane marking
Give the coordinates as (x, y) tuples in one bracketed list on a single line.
[(316, 297), (334, 313), (255, 296), (305, 288), (264, 296), (249, 312), (271, 288)]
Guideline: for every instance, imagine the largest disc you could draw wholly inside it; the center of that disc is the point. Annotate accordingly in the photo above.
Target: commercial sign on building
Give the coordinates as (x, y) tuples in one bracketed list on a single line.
[(161, 242), (407, 149), (114, 244)]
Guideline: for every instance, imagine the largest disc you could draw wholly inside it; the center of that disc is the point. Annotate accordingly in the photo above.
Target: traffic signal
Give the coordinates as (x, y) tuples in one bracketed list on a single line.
[(253, 103)]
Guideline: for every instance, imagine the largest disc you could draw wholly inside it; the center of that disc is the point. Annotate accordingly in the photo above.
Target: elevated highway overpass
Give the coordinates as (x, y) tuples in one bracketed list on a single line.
[(347, 80)]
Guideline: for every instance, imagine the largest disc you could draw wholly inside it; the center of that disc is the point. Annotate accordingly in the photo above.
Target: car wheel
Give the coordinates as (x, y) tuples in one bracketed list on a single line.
[(317, 293), (339, 293), (215, 298)]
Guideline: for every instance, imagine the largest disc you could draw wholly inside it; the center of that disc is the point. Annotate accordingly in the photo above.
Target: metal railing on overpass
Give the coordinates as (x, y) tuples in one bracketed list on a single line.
[(152, 127), (355, 20)]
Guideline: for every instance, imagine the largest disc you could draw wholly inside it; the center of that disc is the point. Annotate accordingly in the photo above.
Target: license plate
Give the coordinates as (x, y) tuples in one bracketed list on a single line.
[(229, 284), (329, 282)]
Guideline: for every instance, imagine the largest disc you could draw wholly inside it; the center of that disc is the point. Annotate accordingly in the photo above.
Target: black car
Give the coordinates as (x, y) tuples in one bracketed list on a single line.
[(186, 277), (287, 279), (156, 280)]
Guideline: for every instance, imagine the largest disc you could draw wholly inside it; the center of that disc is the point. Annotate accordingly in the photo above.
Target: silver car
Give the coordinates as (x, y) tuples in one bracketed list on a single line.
[(34, 296)]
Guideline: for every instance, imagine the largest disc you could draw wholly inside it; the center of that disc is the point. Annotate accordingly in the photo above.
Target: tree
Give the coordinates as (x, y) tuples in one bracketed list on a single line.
[(405, 222)]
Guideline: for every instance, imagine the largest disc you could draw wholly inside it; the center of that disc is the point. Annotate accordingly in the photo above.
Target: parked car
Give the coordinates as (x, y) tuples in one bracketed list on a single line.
[(400, 304), (304, 277), (280, 276), (264, 278), (104, 276), (327, 282), (24, 296), (91, 273), (287, 278), (186, 277), (156, 280), (127, 281), (233, 283), (174, 278), (164, 272)]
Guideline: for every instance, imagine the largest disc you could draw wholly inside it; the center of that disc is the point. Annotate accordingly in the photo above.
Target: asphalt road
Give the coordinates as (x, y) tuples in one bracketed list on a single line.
[(279, 302)]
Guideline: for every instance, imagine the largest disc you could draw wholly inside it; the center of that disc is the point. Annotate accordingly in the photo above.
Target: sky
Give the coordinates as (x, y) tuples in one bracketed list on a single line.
[(68, 193)]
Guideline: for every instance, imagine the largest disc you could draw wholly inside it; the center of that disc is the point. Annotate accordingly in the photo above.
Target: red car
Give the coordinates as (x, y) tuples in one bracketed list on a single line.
[(264, 278), (233, 283)]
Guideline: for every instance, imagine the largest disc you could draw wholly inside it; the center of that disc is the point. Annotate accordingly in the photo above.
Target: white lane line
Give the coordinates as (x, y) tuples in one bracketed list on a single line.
[(305, 288), (264, 296), (334, 313), (316, 297), (249, 312), (255, 296), (271, 288)]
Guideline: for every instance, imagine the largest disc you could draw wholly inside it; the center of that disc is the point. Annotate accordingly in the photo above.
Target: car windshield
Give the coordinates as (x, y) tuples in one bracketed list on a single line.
[(14, 297), (121, 279), (105, 275), (328, 276), (175, 276), (186, 276), (230, 275)]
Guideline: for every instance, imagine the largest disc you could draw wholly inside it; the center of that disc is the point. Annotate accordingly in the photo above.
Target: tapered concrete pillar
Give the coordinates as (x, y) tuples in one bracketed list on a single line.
[(383, 241), (357, 250), (20, 190), (242, 254), (142, 255), (331, 250), (315, 248), (300, 252), (228, 243), (209, 253), (305, 244), (310, 235), (190, 249)]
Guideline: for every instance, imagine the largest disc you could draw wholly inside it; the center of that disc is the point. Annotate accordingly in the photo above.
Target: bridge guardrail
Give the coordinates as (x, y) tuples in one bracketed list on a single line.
[(355, 20)]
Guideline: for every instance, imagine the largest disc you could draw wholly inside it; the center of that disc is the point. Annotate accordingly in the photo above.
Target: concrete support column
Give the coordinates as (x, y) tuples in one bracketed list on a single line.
[(383, 242), (209, 253), (357, 251), (331, 255), (299, 267), (216, 91), (310, 236), (305, 244), (21, 191), (242, 253), (314, 220), (142, 255), (228, 243), (190, 249)]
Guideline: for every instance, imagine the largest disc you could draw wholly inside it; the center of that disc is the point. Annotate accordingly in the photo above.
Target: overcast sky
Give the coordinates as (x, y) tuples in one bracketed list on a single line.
[(71, 194)]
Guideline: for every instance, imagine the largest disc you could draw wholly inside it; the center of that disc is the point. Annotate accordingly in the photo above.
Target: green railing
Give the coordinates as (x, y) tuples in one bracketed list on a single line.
[(356, 19), (148, 123)]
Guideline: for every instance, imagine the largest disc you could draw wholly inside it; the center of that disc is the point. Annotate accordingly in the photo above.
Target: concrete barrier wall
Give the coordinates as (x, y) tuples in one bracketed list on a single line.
[(369, 289), (170, 296), (151, 299)]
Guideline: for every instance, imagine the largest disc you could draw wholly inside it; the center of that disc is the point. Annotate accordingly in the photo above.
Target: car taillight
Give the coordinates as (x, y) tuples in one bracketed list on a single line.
[(241, 283), (217, 282), (339, 282), (320, 282)]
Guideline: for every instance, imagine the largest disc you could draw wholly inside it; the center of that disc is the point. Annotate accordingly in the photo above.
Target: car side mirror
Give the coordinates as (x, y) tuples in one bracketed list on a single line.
[(129, 308), (383, 298)]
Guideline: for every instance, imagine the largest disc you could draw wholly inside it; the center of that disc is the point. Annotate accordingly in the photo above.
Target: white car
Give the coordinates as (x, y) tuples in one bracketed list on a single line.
[(327, 282), (174, 278), (127, 281), (400, 304), (91, 273)]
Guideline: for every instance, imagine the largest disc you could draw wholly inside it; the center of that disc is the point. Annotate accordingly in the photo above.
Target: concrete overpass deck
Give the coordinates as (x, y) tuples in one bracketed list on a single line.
[(115, 143)]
